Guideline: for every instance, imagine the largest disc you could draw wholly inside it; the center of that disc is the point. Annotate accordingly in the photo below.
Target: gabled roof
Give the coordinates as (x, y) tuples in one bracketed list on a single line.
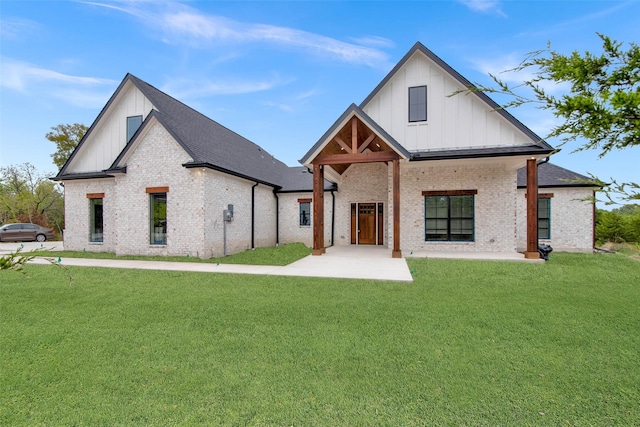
[(550, 175), (538, 142), (368, 121), (208, 143)]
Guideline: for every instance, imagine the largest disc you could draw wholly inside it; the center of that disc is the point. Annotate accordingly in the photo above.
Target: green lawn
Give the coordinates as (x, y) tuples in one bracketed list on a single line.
[(281, 255), (468, 343)]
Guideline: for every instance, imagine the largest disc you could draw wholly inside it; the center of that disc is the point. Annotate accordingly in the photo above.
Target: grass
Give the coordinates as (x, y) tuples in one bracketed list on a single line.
[(468, 343), (281, 255)]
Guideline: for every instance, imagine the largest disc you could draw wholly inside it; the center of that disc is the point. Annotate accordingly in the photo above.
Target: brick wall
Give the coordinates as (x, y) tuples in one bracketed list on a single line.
[(494, 203), (157, 162), (571, 219), (289, 215), (222, 190), (195, 202), (77, 215)]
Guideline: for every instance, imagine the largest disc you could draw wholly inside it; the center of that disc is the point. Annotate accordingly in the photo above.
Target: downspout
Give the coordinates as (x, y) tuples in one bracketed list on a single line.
[(277, 217), (543, 161), (333, 215), (253, 216)]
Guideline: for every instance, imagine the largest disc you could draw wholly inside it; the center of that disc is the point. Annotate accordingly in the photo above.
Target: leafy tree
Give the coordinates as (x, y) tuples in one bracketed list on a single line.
[(601, 107), (609, 227), (618, 225), (26, 195), (66, 138)]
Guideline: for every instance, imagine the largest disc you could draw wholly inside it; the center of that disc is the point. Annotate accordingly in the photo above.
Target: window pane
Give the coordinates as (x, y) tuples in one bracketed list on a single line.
[(418, 104), (449, 218), (158, 219), (544, 215), (133, 123), (305, 213), (96, 221)]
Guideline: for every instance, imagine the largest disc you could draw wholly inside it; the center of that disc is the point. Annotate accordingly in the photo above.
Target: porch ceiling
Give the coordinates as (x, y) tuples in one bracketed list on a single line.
[(354, 140)]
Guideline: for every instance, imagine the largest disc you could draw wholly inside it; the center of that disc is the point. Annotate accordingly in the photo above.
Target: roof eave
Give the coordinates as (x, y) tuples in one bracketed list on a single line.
[(452, 155), (353, 109), (82, 175), (193, 165)]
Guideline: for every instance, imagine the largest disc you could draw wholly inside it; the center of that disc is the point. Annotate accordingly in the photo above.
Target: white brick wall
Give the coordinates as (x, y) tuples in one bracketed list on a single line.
[(157, 162), (494, 204), (571, 219), (77, 215), (222, 190), (290, 229), (195, 202)]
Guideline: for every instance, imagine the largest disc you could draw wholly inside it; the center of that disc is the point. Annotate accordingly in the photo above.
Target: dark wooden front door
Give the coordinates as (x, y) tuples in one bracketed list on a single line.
[(367, 225)]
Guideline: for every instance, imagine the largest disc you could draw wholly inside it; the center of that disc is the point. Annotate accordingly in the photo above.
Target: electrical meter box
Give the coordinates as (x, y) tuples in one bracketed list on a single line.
[(227, 214)]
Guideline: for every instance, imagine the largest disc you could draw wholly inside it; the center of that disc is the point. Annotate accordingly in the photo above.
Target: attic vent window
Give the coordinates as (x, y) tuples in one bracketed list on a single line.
[(418, 104), (133, 123)]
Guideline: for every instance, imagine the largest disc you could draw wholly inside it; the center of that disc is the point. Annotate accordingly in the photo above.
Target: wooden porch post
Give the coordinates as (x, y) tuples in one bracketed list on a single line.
[(397, 253), (532, 210), (318, 210)]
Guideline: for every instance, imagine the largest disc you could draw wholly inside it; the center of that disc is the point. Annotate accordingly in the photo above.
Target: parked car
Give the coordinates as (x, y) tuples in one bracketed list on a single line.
[(25, 232)]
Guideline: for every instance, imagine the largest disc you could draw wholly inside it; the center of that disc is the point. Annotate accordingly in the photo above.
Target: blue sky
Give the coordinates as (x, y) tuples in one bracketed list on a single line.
[(278, 73)]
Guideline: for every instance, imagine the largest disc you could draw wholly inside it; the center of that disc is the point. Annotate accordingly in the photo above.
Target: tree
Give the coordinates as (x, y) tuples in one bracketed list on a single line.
[(26, 195), (601, 107), (66, 138)]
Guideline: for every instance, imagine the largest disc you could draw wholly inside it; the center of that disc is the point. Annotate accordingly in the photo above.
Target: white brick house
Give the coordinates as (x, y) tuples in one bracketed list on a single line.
[(410, 168)]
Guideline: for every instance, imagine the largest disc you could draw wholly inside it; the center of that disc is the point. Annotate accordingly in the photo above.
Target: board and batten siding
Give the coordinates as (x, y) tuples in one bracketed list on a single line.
[(453, 122), (109, 137)]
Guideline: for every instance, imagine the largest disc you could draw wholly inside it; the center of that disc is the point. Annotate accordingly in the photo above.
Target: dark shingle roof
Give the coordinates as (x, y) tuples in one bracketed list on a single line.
[(299, 179), (207, 142), (210, 143), (550, 175)]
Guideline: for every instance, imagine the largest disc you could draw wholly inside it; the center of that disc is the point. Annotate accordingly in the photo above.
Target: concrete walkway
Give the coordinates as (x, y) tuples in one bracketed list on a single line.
[(346, 262)]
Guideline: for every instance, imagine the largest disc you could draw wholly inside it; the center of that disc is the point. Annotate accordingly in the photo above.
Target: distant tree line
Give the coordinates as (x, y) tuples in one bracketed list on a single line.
[(620, 225), (28, 195)]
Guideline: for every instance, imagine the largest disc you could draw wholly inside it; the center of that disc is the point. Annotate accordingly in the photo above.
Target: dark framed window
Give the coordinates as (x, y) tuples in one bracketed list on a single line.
[(449, 215), (544, 218), (305, 213), (418, 104), (158, 218), (133, 123), (95, 220)]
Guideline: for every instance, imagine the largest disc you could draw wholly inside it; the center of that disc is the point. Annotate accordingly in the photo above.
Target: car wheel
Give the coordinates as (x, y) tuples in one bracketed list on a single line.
[(41, 238)]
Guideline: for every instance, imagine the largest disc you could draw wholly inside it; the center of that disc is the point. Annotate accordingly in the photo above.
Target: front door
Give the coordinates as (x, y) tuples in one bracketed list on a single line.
[(367, 226), (367, 223)]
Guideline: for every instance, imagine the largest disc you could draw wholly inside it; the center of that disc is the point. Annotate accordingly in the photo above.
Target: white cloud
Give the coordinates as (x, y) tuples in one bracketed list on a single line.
[(193, 88), (76, 90), (484, 6), (283, 107), (12, 28), (181, 23)]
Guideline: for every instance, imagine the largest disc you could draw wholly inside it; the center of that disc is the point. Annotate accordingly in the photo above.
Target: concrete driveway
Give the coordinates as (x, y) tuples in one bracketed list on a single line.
[(6, 247)]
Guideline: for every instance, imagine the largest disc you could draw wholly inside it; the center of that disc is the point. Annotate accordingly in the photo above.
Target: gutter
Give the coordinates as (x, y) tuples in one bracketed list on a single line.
[(277, 217), (253, 215), (333, 216)]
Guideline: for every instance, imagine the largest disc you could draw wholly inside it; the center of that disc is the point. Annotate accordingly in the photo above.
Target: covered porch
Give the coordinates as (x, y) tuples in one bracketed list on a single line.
[(354, 139)]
